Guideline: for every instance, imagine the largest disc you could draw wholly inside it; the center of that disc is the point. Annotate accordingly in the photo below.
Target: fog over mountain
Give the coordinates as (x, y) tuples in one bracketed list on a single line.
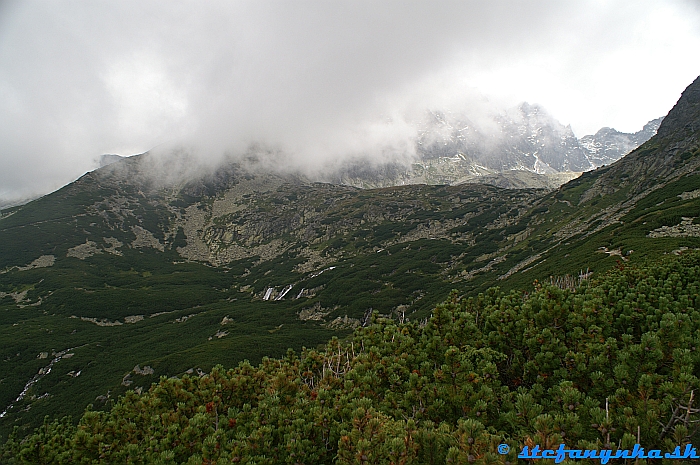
[(319, 83), (522, 147)]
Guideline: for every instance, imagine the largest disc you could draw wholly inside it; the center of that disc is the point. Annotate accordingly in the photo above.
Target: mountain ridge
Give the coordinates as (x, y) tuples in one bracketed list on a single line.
[(127, 269), (452, 150)]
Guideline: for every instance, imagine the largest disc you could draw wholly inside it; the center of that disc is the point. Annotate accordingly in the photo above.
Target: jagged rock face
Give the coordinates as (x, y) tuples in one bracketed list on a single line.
[(683, 121), (678, 132), (669, 155), (526, 138), (533, 140), (609, 145), (648, 131), (452, 149)]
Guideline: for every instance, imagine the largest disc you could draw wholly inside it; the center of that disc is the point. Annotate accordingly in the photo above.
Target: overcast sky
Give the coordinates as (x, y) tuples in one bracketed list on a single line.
[(317, 79)]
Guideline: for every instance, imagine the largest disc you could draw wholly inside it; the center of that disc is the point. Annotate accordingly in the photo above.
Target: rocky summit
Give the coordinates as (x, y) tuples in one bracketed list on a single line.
[(522, 147)]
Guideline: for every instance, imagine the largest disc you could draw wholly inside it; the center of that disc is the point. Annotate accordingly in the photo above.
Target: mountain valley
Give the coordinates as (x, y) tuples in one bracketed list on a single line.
[(120, 278)]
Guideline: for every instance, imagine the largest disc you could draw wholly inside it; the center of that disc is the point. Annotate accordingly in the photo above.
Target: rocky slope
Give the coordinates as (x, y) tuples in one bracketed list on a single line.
[(609, 145), (122, 269), (644, 204), (451, 149), (132, 266)]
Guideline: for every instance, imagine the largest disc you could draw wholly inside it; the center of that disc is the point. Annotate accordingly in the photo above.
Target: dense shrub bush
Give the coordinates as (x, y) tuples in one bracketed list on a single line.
[(607, 365)]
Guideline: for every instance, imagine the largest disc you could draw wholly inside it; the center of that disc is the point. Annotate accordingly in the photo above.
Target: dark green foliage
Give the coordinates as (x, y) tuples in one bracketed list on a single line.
[(607, 365), (604, 366), (397, 251)]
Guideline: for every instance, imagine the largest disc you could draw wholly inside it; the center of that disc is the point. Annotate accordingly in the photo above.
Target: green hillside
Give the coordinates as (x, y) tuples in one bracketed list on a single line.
[(121, 279), (126, 276), (608, 365)]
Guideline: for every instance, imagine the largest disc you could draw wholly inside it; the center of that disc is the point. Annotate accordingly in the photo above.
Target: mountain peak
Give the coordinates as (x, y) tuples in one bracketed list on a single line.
[(671, 154), (684, 117)]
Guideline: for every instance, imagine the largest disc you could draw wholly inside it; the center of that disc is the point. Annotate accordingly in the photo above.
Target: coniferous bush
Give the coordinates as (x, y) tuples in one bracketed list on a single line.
[(609, 364)]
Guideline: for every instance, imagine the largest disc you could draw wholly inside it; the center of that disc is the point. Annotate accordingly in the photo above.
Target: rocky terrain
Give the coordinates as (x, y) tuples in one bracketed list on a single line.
[(609, 145), (125, 268), (523, 147)]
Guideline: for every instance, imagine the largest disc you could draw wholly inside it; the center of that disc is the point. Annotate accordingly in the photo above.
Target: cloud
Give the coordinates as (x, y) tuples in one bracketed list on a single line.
[(318, 80)]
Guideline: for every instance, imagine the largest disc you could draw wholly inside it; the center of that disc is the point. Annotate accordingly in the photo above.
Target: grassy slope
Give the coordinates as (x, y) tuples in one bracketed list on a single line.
[(366, 235), (370, 274)]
